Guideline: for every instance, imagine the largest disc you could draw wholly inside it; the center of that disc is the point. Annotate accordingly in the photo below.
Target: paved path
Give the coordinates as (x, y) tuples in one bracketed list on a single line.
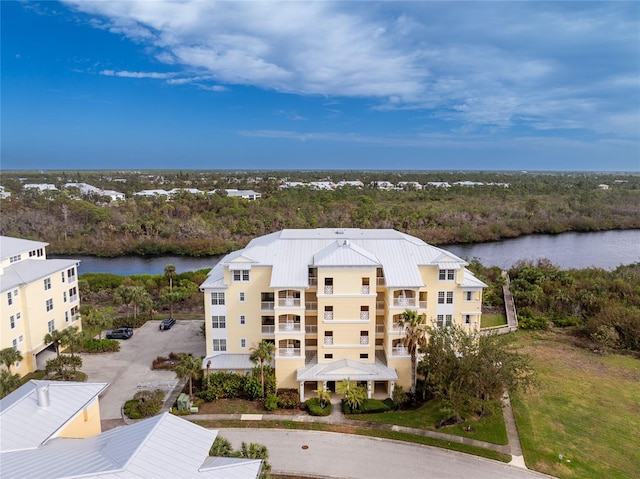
[(509, 305)]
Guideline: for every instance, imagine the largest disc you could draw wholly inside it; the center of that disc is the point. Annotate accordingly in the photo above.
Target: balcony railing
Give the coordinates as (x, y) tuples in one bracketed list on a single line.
[(328, 289), (404, 302), (422, 304), (289, 352), (313, 281), (311, 306), (289, 302), (73, 298), (311, 328), (75, 317), (364, 289), (328, 315), (380, 281), (268, 328), (328, 340), (379, 328), (289, 327), (267, 305), (399, 351), (379, 305), (396, 328), (364, 340), (364, 315)]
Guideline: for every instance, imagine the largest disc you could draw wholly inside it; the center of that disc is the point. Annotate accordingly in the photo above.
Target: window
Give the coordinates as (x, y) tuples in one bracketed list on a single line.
[(241, 296), (73, 292), (440, 297), (328, 313), (449, 297), (328, 286), (448, 320), (243, 319), (51, 325), (218, 322), (469, 296), (62, 274), (217, 298), (364, 355), (20, 338), (71, 274), (219, 344), (328, 338), (66, 316), (243, 343), (15, 259), (49, 304), (64, 296), (15, 344), (18, 316), (467, 319), (364, 337), (47, 284), (12, 322), (447, 274), (328, 356), (241, 275), (9, 298), (364, 313)]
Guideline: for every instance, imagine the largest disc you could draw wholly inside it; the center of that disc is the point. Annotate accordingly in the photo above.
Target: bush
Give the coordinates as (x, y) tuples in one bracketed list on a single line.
[(369, 406), (531, 322), (314, 407), (562, 320), (102, 281), (271, 402), (101, 346), (130, 322), (288, 398), (223, 385), (252, 387), (144, 404)]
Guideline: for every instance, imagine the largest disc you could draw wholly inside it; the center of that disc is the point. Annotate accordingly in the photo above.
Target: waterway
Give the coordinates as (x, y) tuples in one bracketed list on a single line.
[(606, 249)]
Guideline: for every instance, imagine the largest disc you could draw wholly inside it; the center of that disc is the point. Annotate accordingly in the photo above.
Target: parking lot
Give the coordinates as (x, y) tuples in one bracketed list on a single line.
[(129, 370)]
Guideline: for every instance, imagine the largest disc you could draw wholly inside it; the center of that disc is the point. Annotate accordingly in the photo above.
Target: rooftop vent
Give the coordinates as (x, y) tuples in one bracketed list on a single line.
[(43, 395)]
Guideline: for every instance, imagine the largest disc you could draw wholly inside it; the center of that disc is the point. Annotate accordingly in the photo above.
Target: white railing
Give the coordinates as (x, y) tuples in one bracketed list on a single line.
[(311, 306), (289, 327), (328, 315), (311, 328), (399, 351), (289, 303), (404, 302), (73, 298), (72, 279), (364, 340), (328, 290), (422, 305), (396, 328), (364, 315), (289, 352), (328, 340), (267, 305), (268, 328), (365, 289), (75, 317)]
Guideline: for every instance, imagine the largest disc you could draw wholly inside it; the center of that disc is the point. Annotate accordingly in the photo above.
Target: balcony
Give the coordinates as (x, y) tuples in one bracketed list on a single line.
[(380, 281), (364, 289), (404, 302), (289, 303), (267, 305), (73, 298), (268, 328), (379, 328), (311, 305), (422, 305), (396, 328), (379, 305), (311, 328), (289, 327), (289, 352), (313, 281), (328, 290), (75, 317), (399, 351)]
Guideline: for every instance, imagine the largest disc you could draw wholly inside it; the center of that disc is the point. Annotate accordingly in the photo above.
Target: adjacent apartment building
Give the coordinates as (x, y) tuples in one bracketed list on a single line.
[(331, 300), (37, 295)]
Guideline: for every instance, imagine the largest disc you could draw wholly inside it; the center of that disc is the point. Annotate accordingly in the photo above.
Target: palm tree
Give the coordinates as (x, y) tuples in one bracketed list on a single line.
[(57, 338), (97, 319), (324, 396), (170, 273), (190, 367), (8, 356), (263, 353), (72, 339), (8, 382), (257, 451), (414, 339)]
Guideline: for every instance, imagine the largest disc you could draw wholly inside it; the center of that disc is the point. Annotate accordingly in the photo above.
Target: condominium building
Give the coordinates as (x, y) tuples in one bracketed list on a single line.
[(331, 301), (37, 296)]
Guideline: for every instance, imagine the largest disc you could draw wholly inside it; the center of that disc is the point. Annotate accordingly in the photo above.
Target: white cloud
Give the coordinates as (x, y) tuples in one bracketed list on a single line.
[(127, 74), (484, 64)]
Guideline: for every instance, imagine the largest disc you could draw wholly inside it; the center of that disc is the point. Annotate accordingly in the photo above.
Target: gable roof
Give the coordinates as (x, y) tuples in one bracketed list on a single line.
[(346, 368)]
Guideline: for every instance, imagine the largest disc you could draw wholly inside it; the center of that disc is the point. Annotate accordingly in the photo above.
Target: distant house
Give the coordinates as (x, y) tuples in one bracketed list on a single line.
[(292, 184), (245, 194), (4, 194), (87, 189), (603, 187), (384, 185), (52, 429), (438, 184), (177, 191), (322, 185), (468, 183), (355, 184), (408, 185), (151, 193), (40, 187)]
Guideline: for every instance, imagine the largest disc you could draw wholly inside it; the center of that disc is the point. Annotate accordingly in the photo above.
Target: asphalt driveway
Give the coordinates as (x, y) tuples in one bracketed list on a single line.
[(129, 370)]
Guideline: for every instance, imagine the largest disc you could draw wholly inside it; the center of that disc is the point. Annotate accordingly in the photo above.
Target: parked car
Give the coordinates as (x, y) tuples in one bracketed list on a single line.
[(167, 323), (120, 333)]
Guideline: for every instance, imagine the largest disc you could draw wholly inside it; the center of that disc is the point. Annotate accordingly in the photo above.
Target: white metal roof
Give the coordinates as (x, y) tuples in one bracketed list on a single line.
[(26, 425), (291, 252), (346, 368), (12, 246), (27, 271), (161, 447), (228, 362)]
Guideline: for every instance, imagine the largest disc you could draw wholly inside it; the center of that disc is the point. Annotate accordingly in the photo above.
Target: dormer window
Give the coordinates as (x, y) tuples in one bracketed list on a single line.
[(241, 275), (447, 274)]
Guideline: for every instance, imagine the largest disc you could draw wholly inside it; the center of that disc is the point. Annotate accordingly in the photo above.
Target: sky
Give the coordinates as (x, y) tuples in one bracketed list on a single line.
[(320, 85)]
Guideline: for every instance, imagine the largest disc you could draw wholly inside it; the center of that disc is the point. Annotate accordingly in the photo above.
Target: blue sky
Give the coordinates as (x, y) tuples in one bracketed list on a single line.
[(321, 85)]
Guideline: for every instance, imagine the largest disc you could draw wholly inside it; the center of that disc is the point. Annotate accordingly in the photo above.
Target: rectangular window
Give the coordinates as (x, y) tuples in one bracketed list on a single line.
[(15, 259), (328, 286), (218, 322), (217, 298), (241, 296), (66, 316), (9, 298), (446, 274), (243, 319), (64, 296), (12, 322), (18, 316), (449, 297), (243, 343), (241, 275), (440, 320), (62, 274), (328, 356), (469, 296), (245, 275), (20, 338), (49, 304), (440, 297), (364, 355), (467, 319), (71, 274), (219, 344), (15, 344), (51, 325), (448, 320), (47, 284)]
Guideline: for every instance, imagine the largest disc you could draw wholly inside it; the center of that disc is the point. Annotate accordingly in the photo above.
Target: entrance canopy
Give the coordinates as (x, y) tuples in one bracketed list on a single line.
[(346, 368)]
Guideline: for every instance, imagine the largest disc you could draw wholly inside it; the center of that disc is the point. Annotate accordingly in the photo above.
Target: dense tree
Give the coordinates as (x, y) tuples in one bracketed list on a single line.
[(96, 318), (57, 338), (262, 354), (9, 356), (414, 326), (188, 367), (8, 382)]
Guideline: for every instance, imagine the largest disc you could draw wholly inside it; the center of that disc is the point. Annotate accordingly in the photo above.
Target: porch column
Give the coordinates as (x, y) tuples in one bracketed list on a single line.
[(301, 391), (369, 392), (324, 385), (392, 386)]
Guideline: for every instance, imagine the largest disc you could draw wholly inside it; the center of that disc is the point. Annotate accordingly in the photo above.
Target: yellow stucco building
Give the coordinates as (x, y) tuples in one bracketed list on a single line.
[(37, 295), (330, 300)]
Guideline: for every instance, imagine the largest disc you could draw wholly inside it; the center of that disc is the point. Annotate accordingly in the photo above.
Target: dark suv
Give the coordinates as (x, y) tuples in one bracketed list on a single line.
[(119, 333), (167, 323)]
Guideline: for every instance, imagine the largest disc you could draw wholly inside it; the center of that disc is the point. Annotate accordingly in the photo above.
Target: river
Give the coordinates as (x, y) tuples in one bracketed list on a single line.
[(606, 249)]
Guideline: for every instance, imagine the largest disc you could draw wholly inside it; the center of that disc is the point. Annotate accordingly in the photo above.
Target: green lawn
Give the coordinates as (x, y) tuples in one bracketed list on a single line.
[(489, 429), (491, 320), (587, 408)]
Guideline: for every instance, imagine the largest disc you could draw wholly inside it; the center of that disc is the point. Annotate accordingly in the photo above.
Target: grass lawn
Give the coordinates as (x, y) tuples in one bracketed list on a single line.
[(491, 320), (490, 429), (587, 408)]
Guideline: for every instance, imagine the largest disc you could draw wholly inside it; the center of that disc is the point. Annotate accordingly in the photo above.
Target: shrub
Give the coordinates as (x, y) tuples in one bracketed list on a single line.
[(223, 385), (144, 404), (101, 346), (252, 387), (531, 322), (130, 322), (562, 320), (164, 363), (288, 398), (271, 402), (369, 406), (314, 407)]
